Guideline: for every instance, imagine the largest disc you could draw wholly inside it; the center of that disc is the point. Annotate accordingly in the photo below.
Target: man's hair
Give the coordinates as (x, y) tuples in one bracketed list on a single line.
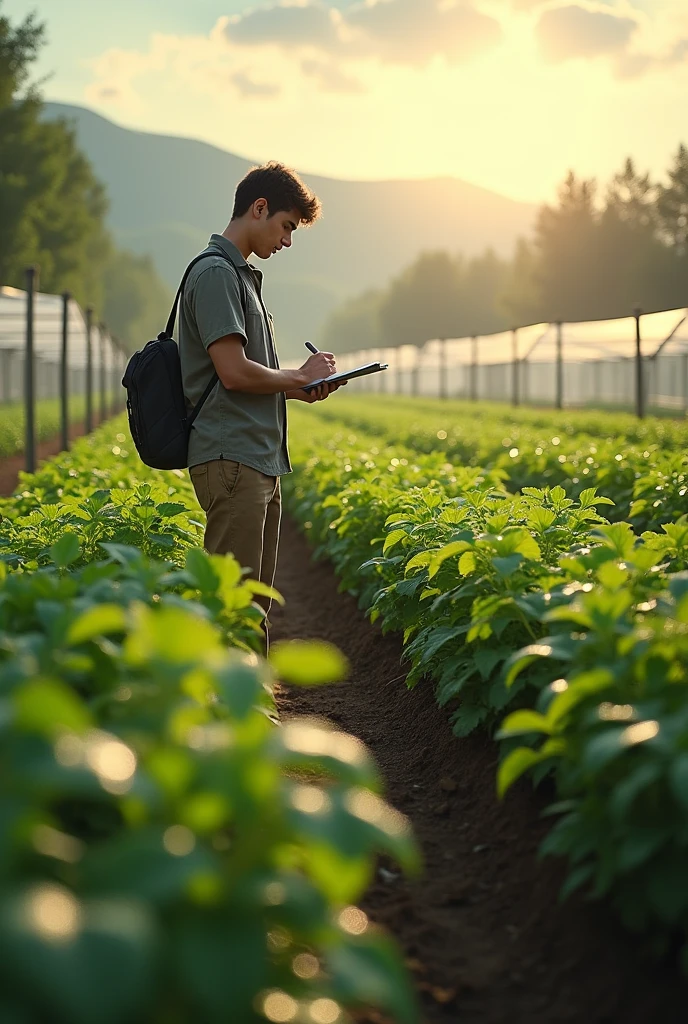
[(281, 187)]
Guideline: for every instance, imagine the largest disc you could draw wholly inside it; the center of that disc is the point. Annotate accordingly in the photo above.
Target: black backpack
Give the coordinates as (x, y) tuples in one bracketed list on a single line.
[(159, 420)]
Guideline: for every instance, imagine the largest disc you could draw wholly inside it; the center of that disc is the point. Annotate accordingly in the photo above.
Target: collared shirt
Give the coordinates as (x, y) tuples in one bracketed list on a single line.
[(246, 428)]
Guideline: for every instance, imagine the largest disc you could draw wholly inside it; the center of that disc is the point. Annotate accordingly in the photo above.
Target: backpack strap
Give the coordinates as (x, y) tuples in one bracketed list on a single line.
[(169, 330)]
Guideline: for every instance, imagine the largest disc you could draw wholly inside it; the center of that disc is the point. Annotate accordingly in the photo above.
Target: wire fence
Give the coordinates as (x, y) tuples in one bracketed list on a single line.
[(51, 348), (639, 362)]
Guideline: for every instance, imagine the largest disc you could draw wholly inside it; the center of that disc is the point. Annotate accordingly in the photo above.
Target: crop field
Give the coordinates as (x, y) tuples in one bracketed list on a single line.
[(12, 421), (535, 565), (186, 837)]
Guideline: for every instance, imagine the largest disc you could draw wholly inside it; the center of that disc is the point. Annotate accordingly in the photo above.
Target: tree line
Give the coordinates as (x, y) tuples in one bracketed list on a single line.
[(53, 209), (594, 254)]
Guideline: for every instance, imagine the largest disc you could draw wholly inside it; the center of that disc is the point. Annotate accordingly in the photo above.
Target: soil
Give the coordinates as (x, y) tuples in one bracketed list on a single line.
[(482, 930), (11, 468)]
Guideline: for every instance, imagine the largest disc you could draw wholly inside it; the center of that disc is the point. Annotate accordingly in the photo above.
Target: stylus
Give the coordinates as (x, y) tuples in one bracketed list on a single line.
[(311, 348)]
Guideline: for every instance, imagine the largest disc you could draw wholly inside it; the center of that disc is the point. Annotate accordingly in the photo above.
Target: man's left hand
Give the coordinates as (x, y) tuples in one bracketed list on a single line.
[(318, 394)]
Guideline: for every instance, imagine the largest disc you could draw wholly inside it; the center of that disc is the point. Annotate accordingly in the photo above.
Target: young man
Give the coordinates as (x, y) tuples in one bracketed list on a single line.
[(238, 444)]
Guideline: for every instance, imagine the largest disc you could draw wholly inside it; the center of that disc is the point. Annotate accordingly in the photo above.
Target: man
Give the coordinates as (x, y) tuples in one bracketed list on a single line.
[(238, 444)]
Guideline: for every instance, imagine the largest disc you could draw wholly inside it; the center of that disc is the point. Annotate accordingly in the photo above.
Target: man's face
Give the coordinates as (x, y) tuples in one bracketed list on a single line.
[(273, 233)]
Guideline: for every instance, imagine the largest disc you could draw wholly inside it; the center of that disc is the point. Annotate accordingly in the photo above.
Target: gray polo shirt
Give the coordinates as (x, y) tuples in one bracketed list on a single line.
[(246, 428)]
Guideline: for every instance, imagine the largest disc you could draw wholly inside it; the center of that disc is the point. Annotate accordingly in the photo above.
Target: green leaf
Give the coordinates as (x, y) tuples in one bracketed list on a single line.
[(448, 551), (256, 587), (514, 766), (97, 621), (170, 509), (200, 567), (678, 778), (520, 722), (549, 647), (308, 662), (49, 706), (419, 561), (103, 972), (240, 687), (589, 498), (223, 964), (170, 634), (467, 563), (369, 971), (393, 538), (540, 518), (507, 565), (66, 550)]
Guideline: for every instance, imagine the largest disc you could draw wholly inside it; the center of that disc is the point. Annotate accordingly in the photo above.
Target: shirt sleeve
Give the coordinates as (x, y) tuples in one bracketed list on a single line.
[(216, 305)]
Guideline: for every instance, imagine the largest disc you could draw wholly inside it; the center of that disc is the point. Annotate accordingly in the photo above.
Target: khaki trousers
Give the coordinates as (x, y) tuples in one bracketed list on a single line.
[(243, 510)]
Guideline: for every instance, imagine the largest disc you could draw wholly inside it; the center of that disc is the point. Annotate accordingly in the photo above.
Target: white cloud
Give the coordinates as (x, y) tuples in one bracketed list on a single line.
[(414, 31), (634, 42), (330, 77), (410, 32), (289, 25), (248, 87), (578, 30)]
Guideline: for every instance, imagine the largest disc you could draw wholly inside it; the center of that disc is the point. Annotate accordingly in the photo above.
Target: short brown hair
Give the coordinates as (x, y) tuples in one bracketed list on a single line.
[(281, 187)]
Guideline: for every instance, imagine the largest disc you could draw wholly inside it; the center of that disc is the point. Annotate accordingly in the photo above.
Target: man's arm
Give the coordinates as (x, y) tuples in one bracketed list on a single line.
[(238, 373)]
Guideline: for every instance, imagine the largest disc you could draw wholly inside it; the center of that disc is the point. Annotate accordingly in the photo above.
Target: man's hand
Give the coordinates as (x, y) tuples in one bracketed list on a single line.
[(320, 364), (318, 394)]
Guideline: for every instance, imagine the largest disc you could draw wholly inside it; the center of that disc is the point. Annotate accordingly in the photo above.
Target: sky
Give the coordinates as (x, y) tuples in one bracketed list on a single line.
[(506, 94)]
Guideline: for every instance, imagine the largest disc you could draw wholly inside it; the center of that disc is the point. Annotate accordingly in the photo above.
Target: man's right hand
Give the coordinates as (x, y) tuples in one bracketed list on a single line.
[(320, 364)]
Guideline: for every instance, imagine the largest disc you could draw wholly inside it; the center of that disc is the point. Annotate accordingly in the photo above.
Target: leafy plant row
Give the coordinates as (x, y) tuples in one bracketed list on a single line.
[(534, 617), (169, 854), (641, 465)]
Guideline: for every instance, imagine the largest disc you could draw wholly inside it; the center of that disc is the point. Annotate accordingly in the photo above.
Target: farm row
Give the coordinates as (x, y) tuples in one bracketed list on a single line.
[(168, 853), (641, 465), (564, 634)]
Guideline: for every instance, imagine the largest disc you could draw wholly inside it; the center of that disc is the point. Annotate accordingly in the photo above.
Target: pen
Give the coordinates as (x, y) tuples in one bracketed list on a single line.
[(311, 348)]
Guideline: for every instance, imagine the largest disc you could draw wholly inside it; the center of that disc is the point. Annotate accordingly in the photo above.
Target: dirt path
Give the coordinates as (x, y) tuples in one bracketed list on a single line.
[(482, 930)]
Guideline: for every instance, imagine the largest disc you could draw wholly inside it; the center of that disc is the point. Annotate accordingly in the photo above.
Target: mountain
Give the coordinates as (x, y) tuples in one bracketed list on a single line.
[(168, 194)]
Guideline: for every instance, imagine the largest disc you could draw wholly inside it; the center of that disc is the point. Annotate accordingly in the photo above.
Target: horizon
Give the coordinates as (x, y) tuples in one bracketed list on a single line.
[(505, 95)]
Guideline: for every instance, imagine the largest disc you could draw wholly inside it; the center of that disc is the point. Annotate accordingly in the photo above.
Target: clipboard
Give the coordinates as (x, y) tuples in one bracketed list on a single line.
[(337, 378)]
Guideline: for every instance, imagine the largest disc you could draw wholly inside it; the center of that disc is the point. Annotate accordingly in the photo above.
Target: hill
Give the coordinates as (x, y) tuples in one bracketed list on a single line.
[(168, 194)]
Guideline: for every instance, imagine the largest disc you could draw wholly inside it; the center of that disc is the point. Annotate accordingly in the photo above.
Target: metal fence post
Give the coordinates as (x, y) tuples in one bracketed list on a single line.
[(89, 369), (559, 398), (639, 388), (64, 384), (29, 373), (415, 374), (103, 376), (514, 363)]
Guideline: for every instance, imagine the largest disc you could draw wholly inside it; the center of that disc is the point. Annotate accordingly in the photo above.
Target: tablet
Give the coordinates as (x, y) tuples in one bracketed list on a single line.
[(337, 378)]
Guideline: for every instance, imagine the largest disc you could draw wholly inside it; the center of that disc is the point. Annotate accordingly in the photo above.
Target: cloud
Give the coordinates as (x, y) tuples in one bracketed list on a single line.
[(330, 77), (565, 33), (287, 25), (247, 87), (633, 65), (633, 42), (409, 32), (415, 31)]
